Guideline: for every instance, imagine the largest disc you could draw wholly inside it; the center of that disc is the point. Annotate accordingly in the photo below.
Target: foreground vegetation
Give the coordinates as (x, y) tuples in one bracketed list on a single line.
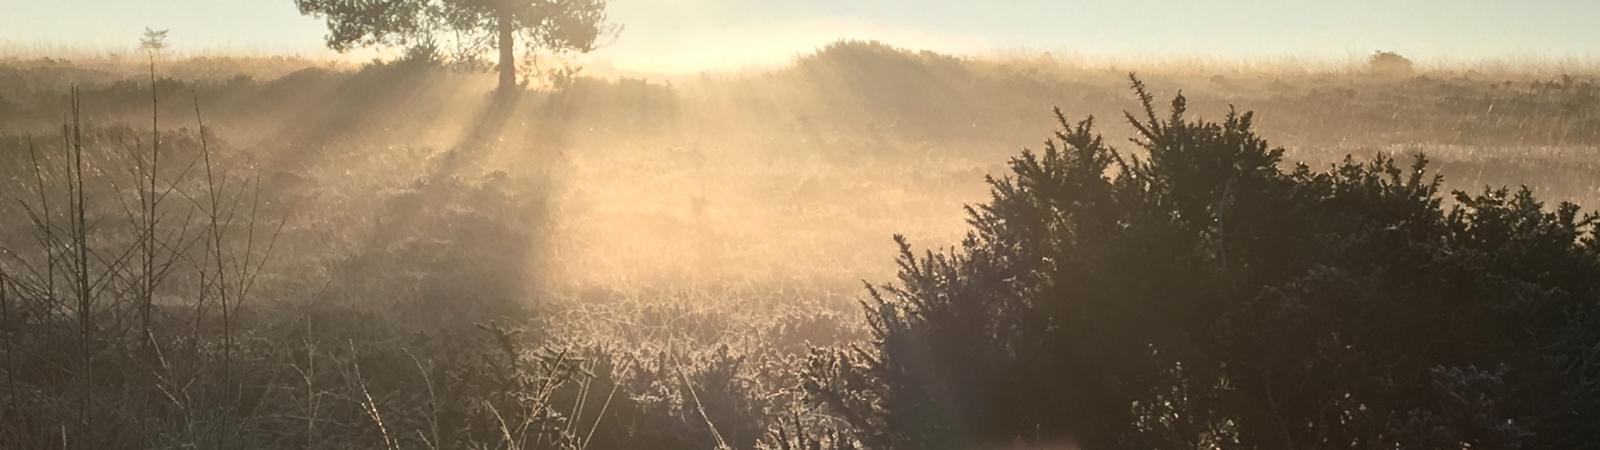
[(1203, 297), (326, 263)]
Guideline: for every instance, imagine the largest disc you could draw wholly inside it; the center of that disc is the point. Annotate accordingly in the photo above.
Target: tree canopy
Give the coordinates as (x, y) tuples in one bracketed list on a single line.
[(463, 30)]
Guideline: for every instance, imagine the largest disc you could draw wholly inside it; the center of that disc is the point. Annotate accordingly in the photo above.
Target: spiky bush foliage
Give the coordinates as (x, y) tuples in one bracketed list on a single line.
[(1193, 294)]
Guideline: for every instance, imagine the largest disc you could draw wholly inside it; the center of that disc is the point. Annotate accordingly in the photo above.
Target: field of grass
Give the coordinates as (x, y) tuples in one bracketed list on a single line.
[(623, 262)]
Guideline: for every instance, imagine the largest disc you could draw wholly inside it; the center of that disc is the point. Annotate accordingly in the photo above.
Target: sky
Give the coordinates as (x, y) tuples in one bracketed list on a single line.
[(691, 35)]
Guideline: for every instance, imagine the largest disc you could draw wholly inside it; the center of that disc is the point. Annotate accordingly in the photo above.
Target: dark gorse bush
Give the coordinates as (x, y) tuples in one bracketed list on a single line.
[(1193, 294)]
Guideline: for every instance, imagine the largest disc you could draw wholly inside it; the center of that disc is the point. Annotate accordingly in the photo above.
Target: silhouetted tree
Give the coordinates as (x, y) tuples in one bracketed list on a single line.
[(555, 25), (153, 41), (1195, 295)]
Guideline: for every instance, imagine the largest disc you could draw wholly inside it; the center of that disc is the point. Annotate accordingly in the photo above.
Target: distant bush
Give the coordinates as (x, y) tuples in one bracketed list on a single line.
[(1390, 64), (1197, 295)]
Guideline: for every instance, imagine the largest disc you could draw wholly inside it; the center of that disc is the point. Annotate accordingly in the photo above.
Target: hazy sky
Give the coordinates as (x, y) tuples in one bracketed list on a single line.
[(690, 34)]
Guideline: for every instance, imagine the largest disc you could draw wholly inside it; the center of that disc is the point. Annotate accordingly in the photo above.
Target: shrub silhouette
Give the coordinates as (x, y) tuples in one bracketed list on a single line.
[(1194, 294), (1389, 63)]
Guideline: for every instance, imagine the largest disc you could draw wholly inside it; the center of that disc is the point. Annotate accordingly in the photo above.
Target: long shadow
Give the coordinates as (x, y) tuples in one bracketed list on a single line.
[(549, 136), (403, 213), (343, 112), (481, 136)]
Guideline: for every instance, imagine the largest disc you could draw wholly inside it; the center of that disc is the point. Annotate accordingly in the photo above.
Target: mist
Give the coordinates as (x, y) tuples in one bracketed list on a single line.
[(933, 237)]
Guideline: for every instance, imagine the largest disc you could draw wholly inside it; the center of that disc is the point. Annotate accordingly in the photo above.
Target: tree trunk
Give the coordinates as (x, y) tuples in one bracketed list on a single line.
[(508, 50)]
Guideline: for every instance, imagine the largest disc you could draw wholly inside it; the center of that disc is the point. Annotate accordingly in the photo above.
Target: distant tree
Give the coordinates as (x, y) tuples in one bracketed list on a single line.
[(153, 41), (559, 26)]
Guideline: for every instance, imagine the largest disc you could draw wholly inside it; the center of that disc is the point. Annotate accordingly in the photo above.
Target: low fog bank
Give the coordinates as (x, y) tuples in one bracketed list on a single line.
[(796, 174)]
